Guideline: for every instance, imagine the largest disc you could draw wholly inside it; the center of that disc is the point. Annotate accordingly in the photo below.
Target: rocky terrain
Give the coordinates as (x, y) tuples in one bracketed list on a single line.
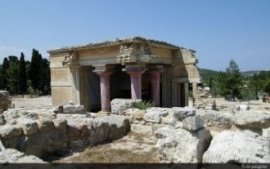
[(223, 132), (54, 131)]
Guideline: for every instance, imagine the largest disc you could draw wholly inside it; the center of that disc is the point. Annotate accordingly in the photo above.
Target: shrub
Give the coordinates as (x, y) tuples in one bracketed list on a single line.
[(142, 105)]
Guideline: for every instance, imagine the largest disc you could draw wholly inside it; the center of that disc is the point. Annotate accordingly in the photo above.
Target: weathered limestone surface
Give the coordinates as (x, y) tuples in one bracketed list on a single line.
[(155, 114), (206, 104), (119, 105), (134, 114), (69, 108), (5, 101), (185, 140), (144, 129), (15, 156), (239, 147), (10, 131), (193, 123), (181, 146), (266, 133), (179, 113), (215, 118), (251, 119), (44, 133), (118, 126), (242, 107)]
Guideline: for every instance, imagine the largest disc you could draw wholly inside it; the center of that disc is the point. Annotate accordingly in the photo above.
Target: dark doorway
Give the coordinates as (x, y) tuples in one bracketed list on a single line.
[(120, 84), (146, 87), (182, 94), (90, 89)]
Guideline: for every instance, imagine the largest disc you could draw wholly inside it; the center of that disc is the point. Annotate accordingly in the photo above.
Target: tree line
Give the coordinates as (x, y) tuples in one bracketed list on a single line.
[(19, 76), (233, 85)]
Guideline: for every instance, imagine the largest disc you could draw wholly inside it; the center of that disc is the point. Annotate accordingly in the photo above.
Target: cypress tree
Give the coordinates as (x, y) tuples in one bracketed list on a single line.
[(233, 81), (1, 78), (35, 70), (4, 77), (22, 77), (45, 81), (12, 74)]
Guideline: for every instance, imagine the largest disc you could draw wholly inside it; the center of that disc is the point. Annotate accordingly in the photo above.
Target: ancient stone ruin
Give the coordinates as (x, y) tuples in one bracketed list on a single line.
[(183, 134), (29, 136), (114, 77), (136, 68), (191, 135)]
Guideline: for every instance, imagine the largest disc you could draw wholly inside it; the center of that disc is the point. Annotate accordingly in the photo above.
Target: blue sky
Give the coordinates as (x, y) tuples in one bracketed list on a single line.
[(219, 30)]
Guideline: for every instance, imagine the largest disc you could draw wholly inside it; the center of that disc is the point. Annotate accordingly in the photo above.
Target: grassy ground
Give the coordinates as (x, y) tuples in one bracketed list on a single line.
[(104, 154), (133, 148), (115, 153)]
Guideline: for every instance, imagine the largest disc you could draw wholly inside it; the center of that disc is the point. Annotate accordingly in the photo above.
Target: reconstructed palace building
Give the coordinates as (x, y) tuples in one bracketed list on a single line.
[(137, 68)]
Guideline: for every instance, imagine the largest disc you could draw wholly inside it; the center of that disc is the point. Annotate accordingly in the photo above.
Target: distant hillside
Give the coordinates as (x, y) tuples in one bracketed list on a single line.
[(250, 73), (207, 73)]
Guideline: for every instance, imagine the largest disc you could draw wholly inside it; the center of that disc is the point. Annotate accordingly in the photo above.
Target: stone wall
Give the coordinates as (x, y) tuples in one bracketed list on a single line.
[(190, 135), (61, 80), (42, 134), (99, 56)]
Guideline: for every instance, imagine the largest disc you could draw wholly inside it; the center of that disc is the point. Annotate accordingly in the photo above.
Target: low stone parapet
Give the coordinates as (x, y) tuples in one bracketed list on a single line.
[(41, 134)]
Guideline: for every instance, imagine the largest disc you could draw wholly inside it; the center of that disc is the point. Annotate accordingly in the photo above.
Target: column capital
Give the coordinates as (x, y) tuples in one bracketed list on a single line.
[(104, 73), (135, 73), (134, 68), (103, 68), (155, 68)]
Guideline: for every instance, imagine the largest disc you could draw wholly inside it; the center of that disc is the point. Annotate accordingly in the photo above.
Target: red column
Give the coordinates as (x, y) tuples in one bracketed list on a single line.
[(155, 85), (105, 91), (136, 84)]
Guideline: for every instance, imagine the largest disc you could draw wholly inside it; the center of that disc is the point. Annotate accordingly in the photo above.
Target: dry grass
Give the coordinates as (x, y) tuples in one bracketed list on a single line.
[(133, 148), (137, 136), (105, 154)]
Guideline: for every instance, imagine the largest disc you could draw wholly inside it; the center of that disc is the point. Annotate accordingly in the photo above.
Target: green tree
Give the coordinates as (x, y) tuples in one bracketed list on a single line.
[(45, 80), (258, 82), (1, 78), (35, 70), (22, 77), (233, 67), (221, 86), (210, 83), (5, 65), (234, 85), (230, 83), (267, 87), (12, 74)]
